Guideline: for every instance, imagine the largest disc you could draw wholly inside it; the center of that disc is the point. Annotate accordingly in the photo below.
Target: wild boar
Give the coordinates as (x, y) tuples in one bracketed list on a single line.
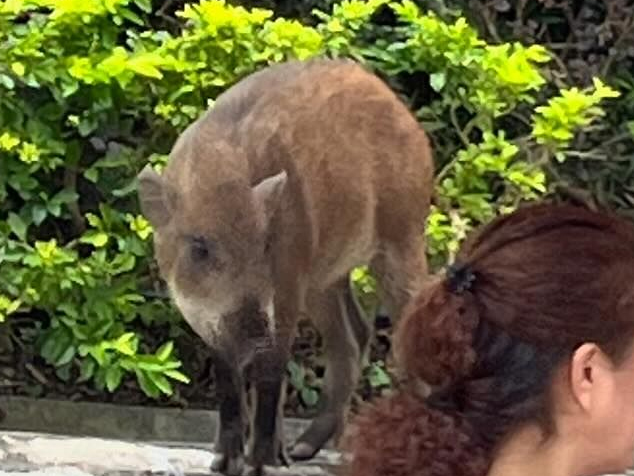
[(296, 175)]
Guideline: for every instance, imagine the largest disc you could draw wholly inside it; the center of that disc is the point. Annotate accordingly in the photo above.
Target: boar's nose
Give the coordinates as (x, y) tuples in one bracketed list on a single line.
[(254, 320)]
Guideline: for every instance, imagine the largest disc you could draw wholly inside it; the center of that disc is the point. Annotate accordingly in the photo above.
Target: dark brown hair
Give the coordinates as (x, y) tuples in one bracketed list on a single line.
[(536, 283)]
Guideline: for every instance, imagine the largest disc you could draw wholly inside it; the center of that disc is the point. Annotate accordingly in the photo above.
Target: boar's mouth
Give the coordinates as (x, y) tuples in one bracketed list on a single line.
[(254, 326), (249, 326)]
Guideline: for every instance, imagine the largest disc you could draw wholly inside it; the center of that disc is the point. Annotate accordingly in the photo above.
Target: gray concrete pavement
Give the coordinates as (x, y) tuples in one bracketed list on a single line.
[(40, 454)]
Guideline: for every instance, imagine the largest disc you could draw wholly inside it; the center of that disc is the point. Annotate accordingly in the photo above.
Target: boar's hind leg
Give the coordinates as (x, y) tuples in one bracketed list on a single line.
[(229, 458), (401, 270), (345, 333)]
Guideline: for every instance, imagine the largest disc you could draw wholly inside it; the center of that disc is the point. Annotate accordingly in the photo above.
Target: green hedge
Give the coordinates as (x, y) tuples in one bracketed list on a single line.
[(586, 38), (90, 93)]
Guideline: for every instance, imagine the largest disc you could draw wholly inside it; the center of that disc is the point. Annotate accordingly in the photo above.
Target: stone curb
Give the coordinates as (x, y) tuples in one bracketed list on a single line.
[(44, 437), (122, 422)]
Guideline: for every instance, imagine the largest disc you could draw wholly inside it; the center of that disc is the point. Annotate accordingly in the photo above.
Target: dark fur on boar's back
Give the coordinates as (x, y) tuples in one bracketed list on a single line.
[(298, 173)]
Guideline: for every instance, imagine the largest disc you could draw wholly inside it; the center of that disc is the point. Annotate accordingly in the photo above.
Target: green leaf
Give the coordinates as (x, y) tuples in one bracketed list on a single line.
[(115, 64), (147, 385), (176, 375), (17, 225), (87, 126), (378, 377), (100, 379), (66, 356), (69, 87), (17, 68), (133, 17), (63, 373), (296, 378), (164, 352), (23, 184), (92, 174), (150, 366), (128, 189), (146, 65), (437, 81), (38, 214), (310, 396), (113, 377), (126, 344), (145, 5), (123, 263), (94, 220), (58, 347), (7, 81), (161, 383), (65, 196), (87, 369), (99, 354), (96, 238), (54, 209)]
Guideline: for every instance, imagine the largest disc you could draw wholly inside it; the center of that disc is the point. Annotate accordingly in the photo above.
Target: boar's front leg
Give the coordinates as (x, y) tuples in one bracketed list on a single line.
[(229, 459), (267, 445)]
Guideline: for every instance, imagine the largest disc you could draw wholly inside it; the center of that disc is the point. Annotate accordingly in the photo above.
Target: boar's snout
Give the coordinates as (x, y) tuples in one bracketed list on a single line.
[(253, 321), (251, 329)]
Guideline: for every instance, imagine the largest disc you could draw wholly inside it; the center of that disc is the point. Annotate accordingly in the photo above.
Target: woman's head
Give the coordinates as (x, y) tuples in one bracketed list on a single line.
[(533, 325)]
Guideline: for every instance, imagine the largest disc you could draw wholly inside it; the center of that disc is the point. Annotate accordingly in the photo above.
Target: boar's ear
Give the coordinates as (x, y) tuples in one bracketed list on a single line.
[(154, 197), (268, 193)]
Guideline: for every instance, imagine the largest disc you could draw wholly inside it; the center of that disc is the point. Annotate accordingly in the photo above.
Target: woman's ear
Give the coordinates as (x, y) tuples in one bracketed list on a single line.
[(590, 374)]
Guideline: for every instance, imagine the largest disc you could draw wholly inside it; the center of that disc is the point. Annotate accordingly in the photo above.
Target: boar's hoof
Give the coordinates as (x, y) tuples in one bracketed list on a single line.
[(256, 471), (228, 465), (321, 430), (303, 451), (266, 457)]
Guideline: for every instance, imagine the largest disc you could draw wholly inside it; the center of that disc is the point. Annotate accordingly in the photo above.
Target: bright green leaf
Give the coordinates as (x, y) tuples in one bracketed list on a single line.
[(176, 375), (378, 377), (165, 351), (7, 81), (98, 239), (17, 68), (437, 81)]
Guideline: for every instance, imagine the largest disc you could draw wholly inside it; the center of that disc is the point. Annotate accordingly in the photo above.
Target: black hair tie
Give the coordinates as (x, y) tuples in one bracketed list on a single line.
[(460, 278)]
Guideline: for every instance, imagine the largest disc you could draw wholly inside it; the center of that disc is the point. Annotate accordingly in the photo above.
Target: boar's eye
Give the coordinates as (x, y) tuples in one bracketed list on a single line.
[(201, 250)]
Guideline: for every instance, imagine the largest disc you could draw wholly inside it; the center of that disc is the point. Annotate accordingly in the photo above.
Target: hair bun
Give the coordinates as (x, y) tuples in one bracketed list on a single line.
[(433, 342), (400, 435)]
